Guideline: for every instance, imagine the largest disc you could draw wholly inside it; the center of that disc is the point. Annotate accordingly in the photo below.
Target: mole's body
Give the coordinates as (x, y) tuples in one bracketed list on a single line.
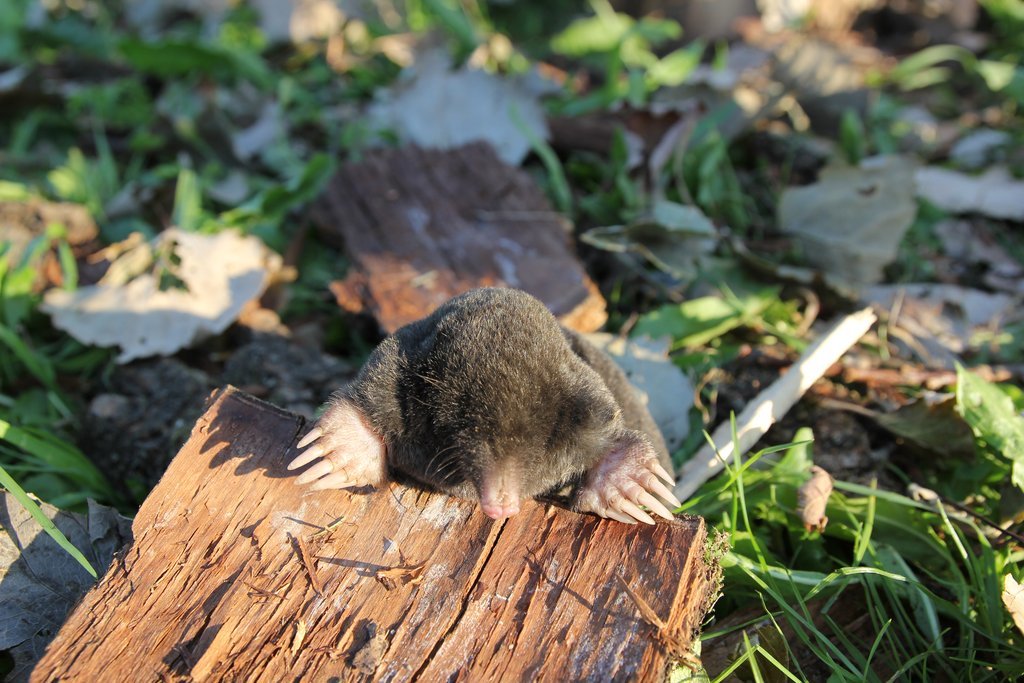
[(489, 398)]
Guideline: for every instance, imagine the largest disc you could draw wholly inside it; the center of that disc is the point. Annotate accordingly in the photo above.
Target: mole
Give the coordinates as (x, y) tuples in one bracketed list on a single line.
[(489, 398)]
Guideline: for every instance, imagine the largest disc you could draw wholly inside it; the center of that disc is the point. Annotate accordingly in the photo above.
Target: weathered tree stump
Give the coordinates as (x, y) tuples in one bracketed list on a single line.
[(422, 226), (236, 573)]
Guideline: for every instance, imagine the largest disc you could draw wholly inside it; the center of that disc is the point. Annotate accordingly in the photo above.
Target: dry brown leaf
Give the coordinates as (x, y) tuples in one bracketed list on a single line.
[(812, 499), (392, 577)]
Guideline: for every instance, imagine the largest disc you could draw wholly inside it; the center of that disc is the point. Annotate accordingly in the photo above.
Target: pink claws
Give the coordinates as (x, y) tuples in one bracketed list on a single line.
[(628, 477), (343, 449)]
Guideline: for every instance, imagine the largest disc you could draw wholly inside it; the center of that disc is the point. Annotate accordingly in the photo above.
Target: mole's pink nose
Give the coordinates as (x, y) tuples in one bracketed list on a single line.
[(496, 510)]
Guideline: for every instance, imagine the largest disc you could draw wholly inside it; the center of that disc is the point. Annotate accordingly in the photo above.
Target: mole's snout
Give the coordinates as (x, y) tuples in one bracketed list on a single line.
[(500, 510), (499, 494)]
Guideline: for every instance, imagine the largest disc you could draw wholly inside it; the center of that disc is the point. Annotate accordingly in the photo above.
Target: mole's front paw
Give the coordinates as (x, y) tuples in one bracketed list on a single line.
[(627, 477), (345, 449)]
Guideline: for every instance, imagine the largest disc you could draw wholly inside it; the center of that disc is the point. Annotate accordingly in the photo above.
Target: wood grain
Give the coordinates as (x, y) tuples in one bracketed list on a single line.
[(233, 576), (421, 226)]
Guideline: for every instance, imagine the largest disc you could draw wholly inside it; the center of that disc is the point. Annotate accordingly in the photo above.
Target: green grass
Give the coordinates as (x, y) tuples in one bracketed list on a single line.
[(929, 588)]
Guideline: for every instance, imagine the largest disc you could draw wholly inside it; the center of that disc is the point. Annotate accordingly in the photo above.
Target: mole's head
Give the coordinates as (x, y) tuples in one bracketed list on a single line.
[(504, 446), (514, 412)]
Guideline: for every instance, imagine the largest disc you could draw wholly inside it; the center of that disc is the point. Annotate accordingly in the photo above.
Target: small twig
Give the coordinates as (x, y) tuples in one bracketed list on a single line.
[(330, 528), (773, 402), (307, 561), (918, 492)]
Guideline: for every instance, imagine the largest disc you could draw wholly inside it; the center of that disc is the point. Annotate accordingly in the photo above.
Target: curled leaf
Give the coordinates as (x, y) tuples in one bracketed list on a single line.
[(812, 499)]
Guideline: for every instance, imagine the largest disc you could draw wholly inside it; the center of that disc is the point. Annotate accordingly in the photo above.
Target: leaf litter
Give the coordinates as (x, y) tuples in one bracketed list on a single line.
[(134, 311)]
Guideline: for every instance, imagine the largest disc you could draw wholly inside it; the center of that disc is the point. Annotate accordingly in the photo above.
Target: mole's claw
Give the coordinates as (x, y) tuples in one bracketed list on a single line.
[(306, 457), (656, 487), (315, 472), (617, 516), (309, 438), (632, 509), (657, 468), (654, 505), (335, 480)]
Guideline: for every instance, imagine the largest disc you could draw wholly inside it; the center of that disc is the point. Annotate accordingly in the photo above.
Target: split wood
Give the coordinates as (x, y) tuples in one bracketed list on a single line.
[(237, 573), (422, 226)]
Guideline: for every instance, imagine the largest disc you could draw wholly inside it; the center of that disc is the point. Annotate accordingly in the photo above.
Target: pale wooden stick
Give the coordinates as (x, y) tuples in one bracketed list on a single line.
[(773, 402)]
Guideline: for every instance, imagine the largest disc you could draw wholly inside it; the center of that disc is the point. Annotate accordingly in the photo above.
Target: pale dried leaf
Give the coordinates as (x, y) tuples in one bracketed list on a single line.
[(39, 581), (995, 193), (149, 16), (436, 107), (851, 222), (221, 274), (664, 388), (299, 21), (269, 127), (673, 237), (972, 246), (975, 149), (1013, 600), (941, 318)]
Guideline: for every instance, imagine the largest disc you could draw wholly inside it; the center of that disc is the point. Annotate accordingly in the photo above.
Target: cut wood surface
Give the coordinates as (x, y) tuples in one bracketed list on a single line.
[(421, 226), (234, 574)]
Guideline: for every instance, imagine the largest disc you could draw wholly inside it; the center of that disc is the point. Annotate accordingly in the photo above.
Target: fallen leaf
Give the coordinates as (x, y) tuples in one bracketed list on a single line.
[(672, 237), (435, 107), (995, 193), (268, 127), (940, 318), (812, 499), (931, 423), (973, 246), (976, 149), (39, 582), (1013, 600), (823, 78), (149, 17), (664, 388), (851, 222), (219, 274)]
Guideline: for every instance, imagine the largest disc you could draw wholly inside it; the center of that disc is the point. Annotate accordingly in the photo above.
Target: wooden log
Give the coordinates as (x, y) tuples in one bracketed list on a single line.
[(236, 573), (424, 225)]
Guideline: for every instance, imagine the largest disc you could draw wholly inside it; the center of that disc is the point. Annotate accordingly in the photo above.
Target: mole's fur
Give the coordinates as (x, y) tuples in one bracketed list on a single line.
[(489, 398)]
